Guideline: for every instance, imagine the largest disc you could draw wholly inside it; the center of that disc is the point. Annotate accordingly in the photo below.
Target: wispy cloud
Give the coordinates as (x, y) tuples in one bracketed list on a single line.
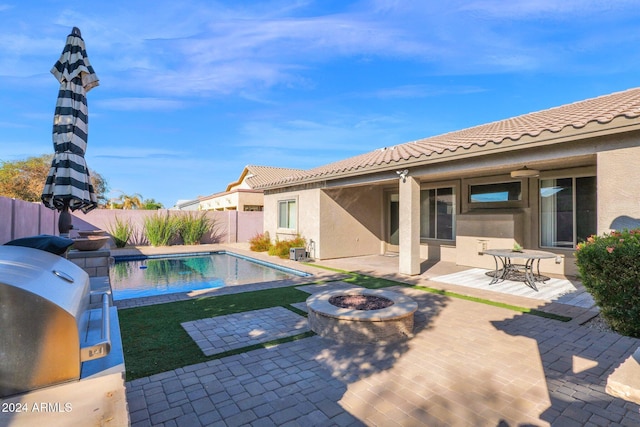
[(339, 134), (421, 91), (551, 9), (140, 104), (135, 153), (211, 49)]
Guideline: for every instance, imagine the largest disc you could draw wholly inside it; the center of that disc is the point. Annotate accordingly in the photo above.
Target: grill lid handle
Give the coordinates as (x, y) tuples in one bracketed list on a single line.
[(102, 348), (63, 275)]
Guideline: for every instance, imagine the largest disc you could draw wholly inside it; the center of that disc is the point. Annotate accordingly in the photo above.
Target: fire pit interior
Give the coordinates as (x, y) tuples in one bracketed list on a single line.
[(361, 315), (360, 302)]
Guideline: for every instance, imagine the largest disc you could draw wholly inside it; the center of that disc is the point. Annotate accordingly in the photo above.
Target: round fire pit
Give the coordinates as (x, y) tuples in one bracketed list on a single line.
[(361, 315)]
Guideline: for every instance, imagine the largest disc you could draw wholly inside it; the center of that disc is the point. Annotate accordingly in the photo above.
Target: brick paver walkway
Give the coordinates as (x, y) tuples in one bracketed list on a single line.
[(223, 333), (469, 364)]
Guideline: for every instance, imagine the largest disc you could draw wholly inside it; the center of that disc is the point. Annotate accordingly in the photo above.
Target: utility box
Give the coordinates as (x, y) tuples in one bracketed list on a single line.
[(297, 254)]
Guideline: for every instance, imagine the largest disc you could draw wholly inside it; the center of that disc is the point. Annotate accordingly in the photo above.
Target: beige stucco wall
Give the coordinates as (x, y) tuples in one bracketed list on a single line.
[(235, 200), (409, 232), (491, 230), (249, 199), (341, 222), (308, 214), (618, 190), (351, 222)]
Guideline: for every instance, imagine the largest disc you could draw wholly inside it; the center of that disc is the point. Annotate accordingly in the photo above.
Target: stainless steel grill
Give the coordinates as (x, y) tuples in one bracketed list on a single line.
[(46, 320)]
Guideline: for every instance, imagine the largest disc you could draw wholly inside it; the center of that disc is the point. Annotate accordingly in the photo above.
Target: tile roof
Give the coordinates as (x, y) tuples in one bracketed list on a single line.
[(259, 175), (577, 115)]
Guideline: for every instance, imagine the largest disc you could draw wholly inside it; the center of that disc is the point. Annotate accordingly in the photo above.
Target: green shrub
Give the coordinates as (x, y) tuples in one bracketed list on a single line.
[(261, 242), (191, 227), (610, 271), (121, 231), (281, 247), (160, 229)]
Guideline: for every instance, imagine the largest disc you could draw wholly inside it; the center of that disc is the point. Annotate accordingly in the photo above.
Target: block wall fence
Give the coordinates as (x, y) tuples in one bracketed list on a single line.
[(22, 219)]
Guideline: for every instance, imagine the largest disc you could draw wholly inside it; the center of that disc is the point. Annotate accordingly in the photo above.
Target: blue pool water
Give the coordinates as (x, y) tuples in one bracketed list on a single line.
[(142, 277)]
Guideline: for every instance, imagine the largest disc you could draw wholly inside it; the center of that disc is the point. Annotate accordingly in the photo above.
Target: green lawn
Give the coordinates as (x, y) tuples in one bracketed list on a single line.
[(154, 341)]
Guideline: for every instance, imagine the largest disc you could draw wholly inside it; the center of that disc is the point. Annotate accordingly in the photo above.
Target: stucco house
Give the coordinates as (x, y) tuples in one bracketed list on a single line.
[(242, 194), (545, 180)]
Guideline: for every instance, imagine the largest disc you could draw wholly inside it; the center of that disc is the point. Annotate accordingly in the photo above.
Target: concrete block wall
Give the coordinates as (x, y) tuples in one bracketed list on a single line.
[(95, 263), (22, 219)]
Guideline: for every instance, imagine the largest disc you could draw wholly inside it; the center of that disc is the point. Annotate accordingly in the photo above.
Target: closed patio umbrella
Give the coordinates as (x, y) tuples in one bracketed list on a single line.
[(68, 185)]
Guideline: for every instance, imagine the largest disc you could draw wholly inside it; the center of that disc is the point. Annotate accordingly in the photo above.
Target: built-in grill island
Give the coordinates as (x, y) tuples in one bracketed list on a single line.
[(54, 329)]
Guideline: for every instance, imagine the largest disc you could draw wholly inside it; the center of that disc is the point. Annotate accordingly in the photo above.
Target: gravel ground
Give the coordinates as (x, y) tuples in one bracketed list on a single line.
[(598, 323)]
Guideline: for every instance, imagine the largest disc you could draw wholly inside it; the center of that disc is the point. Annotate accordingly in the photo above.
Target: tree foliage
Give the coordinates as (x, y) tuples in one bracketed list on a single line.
[(24, 179), (133, 201), (151, 204)]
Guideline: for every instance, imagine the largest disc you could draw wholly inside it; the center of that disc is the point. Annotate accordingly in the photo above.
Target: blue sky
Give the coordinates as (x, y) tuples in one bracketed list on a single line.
[(192, 91)]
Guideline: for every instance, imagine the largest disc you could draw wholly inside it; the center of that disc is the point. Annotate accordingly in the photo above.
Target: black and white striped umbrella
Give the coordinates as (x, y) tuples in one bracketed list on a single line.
[(68, 184)]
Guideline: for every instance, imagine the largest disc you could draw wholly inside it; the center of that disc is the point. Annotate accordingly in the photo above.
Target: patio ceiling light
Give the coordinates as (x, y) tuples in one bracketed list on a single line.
[(525, 172)]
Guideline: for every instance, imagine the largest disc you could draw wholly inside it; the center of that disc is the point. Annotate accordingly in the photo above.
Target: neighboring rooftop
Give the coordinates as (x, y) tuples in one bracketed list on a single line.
[(255, 175), (602, 110)]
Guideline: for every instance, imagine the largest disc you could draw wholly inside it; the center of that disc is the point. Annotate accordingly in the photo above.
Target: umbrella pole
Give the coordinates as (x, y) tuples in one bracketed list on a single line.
[(64, 221)]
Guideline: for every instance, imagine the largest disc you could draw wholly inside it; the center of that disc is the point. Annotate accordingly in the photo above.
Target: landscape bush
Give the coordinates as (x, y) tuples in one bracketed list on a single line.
[(609, 268), (281, 247), (161, 229), (261, 242), (192, 227), (121, 231)]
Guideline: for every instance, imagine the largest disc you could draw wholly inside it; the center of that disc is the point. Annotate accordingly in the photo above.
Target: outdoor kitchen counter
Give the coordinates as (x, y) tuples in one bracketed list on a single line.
[(98, 399)]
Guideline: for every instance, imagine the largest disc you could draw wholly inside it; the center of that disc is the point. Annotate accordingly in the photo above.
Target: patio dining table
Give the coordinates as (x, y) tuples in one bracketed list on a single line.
[(505, 266)]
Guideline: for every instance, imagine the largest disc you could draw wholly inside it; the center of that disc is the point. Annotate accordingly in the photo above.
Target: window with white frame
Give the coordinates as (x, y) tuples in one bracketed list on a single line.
[(568, 209), (287, 214), (438, 213)]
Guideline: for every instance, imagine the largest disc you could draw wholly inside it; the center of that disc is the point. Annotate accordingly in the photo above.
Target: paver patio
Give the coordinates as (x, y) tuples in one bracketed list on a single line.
[(469, 364), (216, 335)]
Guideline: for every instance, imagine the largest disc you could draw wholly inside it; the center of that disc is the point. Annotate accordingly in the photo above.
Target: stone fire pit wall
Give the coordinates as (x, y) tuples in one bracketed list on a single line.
[(391, 324)]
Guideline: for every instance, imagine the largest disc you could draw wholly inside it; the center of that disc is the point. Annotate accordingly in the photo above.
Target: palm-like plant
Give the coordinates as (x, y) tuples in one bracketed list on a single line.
[(133, 201), (127, 201)]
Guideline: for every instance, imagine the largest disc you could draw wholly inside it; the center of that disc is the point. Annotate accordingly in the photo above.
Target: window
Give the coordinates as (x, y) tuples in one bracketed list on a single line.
[(253, 208), (287, 214), (567, 211), (438, 213), (496, 193)]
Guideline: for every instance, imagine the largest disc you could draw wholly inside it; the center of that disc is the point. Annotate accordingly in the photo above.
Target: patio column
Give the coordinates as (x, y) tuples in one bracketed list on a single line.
[(409, 262)]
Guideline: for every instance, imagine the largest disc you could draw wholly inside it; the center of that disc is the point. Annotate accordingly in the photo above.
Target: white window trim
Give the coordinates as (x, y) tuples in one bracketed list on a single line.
[(297, 215)]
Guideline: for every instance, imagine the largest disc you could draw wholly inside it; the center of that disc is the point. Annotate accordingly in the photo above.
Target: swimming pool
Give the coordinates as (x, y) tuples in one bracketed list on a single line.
[(140, 276)]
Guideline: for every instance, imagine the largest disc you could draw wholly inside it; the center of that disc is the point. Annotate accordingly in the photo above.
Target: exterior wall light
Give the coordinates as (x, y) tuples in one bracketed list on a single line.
[(403, 174), (525, 172)]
